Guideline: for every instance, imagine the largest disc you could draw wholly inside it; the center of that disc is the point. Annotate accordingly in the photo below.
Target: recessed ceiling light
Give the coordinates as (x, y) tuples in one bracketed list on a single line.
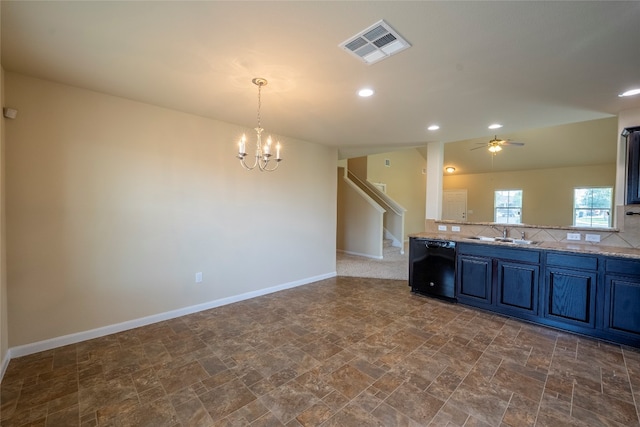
[(450, 169), (630, 93), (433, 127), (495, 126), (365, 92)]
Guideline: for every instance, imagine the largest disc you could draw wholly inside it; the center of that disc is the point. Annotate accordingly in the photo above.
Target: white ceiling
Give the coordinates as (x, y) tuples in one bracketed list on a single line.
[(527, 65)]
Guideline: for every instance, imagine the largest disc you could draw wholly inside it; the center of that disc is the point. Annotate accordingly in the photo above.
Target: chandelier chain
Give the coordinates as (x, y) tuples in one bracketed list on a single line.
[(259, 102)]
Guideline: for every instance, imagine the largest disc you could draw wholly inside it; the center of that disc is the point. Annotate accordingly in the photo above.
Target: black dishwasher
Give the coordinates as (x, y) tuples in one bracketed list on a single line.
[(432, 266)]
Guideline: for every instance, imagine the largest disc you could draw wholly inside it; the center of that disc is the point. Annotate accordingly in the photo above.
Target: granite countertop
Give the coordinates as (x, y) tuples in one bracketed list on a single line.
[(581, 248)]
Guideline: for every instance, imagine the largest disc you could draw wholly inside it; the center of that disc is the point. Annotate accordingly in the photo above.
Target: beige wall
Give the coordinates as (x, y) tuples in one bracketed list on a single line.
[(4, 328), (547, 194), (358, 167), (114, 205), (406, 184)]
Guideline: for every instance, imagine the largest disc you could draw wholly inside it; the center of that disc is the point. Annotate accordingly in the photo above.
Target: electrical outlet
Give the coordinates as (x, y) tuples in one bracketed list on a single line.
[(595, 238), (573, 236), (199, 277), (455, 228), (442, 228)]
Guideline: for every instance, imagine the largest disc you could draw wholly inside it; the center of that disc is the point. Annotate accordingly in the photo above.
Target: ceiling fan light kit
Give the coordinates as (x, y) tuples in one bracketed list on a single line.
[(495, 145)]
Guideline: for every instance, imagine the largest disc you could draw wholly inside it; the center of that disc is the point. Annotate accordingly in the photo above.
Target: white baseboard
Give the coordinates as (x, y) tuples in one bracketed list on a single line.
[(36, 347), (359, 254)]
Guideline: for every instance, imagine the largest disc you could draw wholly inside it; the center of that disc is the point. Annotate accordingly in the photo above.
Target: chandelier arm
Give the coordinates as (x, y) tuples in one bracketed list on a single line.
[(247, 167), (265, 169)]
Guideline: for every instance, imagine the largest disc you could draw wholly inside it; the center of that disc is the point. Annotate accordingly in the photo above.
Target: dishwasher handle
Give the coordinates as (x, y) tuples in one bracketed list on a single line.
[(439, 244)]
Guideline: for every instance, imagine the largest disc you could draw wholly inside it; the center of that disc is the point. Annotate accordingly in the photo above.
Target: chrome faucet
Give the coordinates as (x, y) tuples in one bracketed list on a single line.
[(504, 231)]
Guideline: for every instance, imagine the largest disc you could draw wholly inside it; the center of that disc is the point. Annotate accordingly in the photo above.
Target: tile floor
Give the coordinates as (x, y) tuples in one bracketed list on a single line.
[(340, 352)]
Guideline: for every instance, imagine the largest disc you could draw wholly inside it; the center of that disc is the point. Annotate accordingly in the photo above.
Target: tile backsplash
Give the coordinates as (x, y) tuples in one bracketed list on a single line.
[(627, 235)]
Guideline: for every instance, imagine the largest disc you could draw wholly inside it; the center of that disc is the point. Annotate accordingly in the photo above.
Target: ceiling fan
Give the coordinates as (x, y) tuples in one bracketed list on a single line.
[(496, 144)]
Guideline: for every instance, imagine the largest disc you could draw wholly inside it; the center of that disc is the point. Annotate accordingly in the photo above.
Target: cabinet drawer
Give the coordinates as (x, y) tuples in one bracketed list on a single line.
[(494, 251), (572, 261), (623, 266)]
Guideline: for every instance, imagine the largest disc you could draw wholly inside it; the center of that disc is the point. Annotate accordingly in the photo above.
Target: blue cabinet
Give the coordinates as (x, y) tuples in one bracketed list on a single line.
[(474, 280), (633, 164), (501, 279), (571, 283), (570, 296), (517, 289), (594, 295), (622, 298)]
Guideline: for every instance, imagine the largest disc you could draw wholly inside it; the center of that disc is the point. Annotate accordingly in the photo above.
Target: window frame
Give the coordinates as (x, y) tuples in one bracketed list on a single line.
[(508, 208), (591, 208)]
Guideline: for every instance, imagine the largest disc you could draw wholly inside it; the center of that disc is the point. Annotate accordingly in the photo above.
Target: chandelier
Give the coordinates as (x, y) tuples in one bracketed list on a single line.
[(263, 152)]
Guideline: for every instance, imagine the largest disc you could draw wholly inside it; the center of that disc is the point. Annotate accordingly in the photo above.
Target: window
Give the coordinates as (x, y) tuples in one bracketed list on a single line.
[(508, 206), (592, 207)]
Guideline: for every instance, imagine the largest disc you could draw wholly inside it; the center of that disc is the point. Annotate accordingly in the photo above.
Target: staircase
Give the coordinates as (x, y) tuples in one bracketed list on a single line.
[(369, 221), (394, 213)]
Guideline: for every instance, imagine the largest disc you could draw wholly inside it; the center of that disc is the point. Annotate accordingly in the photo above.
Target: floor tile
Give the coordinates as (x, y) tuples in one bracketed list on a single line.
[(339, 352)]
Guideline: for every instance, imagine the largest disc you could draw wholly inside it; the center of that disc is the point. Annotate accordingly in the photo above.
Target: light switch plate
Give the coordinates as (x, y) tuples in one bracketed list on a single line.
[(455, 228), (573, 236), (442, 228), (595, 238)]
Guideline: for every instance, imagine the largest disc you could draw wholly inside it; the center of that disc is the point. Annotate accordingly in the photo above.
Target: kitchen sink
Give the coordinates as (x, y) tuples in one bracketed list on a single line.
[(483, 238), (503, 240), (523, 242)]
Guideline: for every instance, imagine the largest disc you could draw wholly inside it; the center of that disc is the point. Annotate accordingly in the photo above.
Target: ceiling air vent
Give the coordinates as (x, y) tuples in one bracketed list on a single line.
[(376, 43)]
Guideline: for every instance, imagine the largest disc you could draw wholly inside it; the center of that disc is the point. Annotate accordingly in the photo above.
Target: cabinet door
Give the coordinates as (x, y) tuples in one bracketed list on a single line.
[(633, 166), (622, 305), (517, 288), (570, 296), (473, 280), (417, 253)]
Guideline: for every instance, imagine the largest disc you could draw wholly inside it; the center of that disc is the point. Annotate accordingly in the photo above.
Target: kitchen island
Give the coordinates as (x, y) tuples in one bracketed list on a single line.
[(588, 289)]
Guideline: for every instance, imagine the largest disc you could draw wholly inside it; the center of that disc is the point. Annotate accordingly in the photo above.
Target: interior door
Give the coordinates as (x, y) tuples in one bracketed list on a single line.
[(454, 205)]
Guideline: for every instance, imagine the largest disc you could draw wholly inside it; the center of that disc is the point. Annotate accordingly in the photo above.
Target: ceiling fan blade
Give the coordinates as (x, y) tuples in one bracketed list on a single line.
[(497, 143)]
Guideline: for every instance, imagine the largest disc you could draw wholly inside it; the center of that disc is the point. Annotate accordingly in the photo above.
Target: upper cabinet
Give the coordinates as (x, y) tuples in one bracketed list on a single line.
[(633, 165)]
